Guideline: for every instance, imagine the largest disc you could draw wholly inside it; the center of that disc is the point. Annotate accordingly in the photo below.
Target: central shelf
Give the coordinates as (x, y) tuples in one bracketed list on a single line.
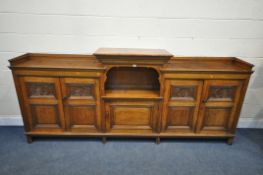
[(132, 83), (131, 94)]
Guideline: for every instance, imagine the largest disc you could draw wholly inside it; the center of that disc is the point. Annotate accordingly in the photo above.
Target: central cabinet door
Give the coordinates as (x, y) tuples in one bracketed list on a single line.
[(81, 104), (131, 116), (181, 104)]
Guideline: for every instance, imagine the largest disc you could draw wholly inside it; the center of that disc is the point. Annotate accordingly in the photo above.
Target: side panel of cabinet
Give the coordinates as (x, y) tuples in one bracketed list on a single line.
[(81, 104), (219, 104), (42, 99), (181, 105), (131, 117)]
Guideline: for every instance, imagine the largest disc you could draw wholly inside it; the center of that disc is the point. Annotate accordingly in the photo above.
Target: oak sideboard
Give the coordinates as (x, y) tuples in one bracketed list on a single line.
[(130, 93)]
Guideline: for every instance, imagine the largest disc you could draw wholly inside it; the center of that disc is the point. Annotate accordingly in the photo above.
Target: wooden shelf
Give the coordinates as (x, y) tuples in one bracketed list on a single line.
[(132, 94)]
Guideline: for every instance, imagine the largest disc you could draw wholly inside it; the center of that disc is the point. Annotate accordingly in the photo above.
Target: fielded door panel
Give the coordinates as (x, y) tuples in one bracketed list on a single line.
[(81, 104), (218, 108), (181, 105), (42, 100), (131, 117)]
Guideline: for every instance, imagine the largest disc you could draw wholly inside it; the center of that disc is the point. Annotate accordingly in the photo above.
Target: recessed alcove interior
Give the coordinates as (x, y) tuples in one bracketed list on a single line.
[(132, 82)]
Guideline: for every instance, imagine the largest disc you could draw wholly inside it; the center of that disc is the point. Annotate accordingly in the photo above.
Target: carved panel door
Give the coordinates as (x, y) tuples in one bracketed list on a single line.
[(42, 100), (182, 99), (219, 102), (81, 104)]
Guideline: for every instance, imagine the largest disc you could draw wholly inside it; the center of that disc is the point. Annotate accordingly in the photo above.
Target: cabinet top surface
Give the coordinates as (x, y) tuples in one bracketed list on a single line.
[(132, 52), (54, 61), (92, 62), (219, 64)]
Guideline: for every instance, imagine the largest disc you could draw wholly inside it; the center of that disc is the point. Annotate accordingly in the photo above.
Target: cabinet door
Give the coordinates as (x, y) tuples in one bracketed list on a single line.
[(42, 100), (81, 104), (219, 103), (181, 104), (131, 117)]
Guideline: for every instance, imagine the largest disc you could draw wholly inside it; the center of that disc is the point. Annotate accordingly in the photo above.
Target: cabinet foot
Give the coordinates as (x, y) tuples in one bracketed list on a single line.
[(104, 140), (29, 139), (230, 141), (158, 140)]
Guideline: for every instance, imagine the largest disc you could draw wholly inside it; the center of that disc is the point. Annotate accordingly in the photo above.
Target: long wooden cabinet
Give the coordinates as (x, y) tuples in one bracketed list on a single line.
[(131, 93)]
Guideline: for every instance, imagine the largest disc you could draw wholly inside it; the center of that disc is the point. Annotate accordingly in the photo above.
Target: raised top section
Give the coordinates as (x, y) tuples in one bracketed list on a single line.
[(117, 56), (132, 52)]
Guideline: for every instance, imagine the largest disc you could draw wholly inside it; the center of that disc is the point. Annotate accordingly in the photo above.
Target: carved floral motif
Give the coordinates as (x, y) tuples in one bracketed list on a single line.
[(80, 89), (183, 92), (40, 89), (222, 92)]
